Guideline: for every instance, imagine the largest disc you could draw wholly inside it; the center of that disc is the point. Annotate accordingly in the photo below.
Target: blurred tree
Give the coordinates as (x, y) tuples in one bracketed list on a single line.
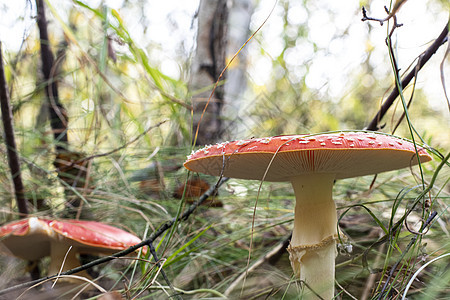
[(58, 115), (236, 84), (10, 141), (207, 65), (70, 166)]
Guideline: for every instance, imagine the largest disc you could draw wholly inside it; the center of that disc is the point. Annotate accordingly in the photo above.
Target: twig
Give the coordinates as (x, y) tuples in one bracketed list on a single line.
[(155, 257), (345, 291), (163, 228), (366, 18), (391, 13), (442, 38), (395, 26), (13, 158)]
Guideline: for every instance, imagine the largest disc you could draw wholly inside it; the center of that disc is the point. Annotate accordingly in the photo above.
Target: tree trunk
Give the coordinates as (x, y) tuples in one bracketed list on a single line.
[(207, 65), (13, 158), (58, 115), (239, 31), (71, 169)]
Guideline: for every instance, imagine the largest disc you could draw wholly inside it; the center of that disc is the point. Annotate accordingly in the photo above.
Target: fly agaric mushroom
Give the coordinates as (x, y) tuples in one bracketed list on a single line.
[(311, 163), (34, 238)]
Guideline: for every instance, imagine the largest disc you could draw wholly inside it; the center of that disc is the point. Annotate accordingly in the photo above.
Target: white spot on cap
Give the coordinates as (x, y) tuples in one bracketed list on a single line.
[(371, 142), (337, 143), (303, 142), (352, 145), (241, 142), (322, 144)]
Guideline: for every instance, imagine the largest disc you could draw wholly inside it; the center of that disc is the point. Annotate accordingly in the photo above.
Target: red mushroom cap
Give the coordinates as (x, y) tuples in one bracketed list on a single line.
[(346, 154), (94, 234), (30, 238), (17, 228)]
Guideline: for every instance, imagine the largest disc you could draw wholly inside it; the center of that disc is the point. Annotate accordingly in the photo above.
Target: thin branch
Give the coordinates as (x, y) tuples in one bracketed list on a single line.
[(155, 257), (442, 38), (163, 228), (395, 26), (367, 18), (391, 14), (13, 158)]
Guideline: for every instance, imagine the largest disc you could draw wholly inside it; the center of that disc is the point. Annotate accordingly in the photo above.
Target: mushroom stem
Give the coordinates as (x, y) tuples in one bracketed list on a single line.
[(58, 252), (312, 250)]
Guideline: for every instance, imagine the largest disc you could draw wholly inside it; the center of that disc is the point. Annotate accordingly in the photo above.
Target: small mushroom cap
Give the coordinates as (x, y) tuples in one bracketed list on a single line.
[(346, 154), (31, 238)]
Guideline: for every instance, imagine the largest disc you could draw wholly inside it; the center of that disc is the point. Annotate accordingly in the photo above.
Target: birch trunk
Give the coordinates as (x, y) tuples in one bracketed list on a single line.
[(207, 65), (239, 31)]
